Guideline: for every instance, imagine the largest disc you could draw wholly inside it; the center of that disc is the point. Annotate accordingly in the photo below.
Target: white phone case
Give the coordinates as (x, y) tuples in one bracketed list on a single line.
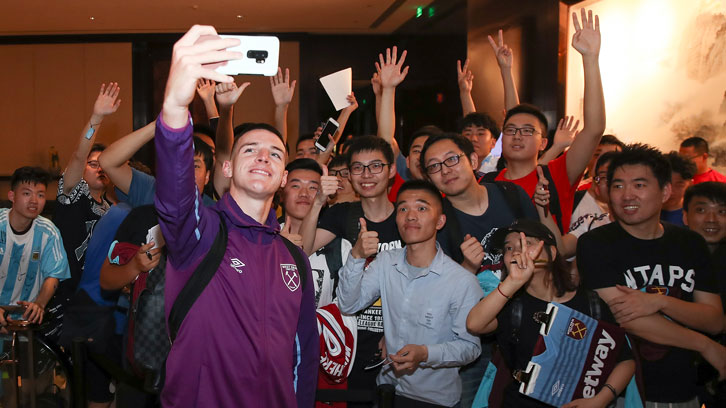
[(260, 56)]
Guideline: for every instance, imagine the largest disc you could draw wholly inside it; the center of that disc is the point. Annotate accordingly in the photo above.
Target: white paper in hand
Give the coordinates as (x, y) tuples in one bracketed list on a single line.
[(339, 85), (154, 235)]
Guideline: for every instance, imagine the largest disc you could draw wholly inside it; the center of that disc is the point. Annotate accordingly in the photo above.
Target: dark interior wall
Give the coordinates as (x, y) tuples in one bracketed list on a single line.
[(532, 29), (428, 95)]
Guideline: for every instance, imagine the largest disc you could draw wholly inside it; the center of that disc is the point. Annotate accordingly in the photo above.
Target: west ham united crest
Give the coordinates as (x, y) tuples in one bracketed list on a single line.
[(290, 276), (576, 329)]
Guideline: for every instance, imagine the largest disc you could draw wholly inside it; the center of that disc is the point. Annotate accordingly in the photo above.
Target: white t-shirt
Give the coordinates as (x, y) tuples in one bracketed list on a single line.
[(27, 260), (588, 215)]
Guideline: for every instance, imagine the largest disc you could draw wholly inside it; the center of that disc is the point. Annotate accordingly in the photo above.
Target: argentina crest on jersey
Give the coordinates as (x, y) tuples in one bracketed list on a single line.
[(290, 276)]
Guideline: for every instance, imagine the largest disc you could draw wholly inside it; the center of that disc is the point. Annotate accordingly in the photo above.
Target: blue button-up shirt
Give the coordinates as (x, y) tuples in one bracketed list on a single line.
[(429, 308)]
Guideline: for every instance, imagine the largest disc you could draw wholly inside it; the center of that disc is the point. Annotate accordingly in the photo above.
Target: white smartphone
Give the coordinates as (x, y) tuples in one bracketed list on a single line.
[(260, 56), (327, 135)]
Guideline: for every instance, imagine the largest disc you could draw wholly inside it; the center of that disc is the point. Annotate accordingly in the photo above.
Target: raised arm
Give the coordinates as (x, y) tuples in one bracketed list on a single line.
[(587, 42), (466, 81), (564, 135), (377, 91), (391, 73), (115, 159), (227, 96), (106, 104), (282, 92), (313, 237), (205, 90), (504, 60), (483, 317), (324, 157)]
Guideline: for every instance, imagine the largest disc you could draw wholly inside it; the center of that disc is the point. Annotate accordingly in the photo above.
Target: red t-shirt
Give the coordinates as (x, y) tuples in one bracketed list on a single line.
[(393, 192), (565, 190), (710, 175)]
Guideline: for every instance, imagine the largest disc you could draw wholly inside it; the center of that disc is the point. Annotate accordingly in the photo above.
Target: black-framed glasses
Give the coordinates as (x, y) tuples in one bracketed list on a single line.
[(374, 168), (449, 162), (600, 179), (524, 131), (94, 164), (342, 173)]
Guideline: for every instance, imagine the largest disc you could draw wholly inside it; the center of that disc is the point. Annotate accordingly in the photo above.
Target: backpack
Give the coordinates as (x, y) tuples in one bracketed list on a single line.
[(554, 206), (149, 343)]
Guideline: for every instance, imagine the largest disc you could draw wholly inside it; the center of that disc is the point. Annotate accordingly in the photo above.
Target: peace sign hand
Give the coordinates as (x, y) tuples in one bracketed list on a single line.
[(502, 51), (521, 267)]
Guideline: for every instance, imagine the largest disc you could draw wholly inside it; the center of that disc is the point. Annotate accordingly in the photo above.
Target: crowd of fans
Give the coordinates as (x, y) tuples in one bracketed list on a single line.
[(276, 275)]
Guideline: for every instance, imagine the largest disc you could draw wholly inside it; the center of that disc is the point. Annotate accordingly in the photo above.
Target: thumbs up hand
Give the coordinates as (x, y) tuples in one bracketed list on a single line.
[(367, 243)]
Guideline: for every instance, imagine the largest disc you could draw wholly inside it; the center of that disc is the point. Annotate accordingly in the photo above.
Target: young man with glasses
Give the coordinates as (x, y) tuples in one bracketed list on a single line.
[(449, 160), (338, 167), (371, 165), (525, 130)]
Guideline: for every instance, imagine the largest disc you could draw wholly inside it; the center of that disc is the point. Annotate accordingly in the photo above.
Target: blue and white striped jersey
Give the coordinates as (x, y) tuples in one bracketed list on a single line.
[(27, 260)]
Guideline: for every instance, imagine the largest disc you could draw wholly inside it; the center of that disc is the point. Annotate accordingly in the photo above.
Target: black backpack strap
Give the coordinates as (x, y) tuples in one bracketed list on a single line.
[(352, 224), (198, 281), (511, 196), (488, 177), (594, 300), (555, 207), (299, 260), (453, 231)]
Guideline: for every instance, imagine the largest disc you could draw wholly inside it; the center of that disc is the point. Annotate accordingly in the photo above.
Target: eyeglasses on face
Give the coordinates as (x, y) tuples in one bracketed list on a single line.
[(342, 172), (600, 179), (449, 162), (94, 164), (374, 168), (525, 131)]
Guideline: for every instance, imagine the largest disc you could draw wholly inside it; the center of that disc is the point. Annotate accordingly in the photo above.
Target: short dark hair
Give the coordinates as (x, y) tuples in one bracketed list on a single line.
[(28, 174), (205, 130), (97, 147), (646, 155), (604, 158), (339, 160), (423, 185), (201, 148), (428, 130), (699, 144), (303, 137), (480, 120), (712, 190), (247, 127), (684, 167), (460, 141), (304, 164), (370, 144), (530, 110), (611, 140)]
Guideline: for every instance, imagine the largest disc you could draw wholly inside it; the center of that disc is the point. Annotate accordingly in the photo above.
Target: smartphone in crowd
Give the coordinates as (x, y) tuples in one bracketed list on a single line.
[(326, 137)]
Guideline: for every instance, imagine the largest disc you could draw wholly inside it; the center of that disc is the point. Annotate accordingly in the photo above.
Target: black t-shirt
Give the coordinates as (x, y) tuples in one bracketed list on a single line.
[(338, 219), (517, 343), (718, 264), (497, 215), (675, 264), (75, 216)]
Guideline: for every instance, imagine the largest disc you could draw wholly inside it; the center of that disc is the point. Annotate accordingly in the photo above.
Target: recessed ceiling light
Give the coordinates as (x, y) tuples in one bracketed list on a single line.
[(93, 18), (239, 16)]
